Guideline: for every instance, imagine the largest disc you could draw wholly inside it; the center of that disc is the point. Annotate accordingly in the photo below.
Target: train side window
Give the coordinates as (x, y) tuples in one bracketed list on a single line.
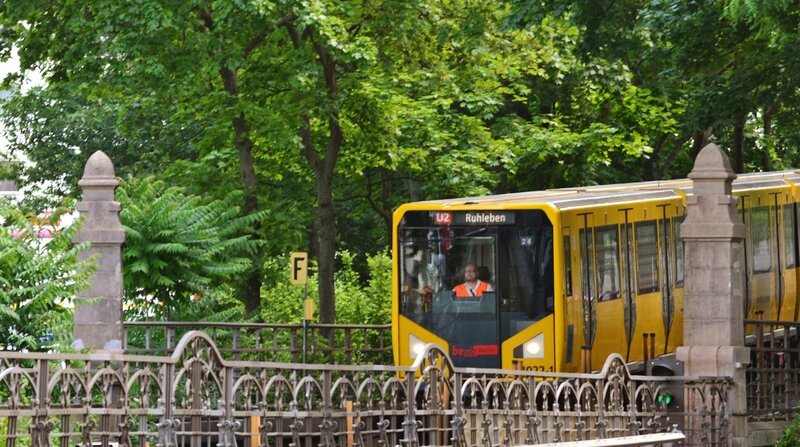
[(762, 249), (788, 235), (567, 267), (607, 250), (646, 257), (676, 231)]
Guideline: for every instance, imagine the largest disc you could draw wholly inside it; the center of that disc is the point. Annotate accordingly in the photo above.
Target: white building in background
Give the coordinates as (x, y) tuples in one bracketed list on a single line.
[(9, 188)]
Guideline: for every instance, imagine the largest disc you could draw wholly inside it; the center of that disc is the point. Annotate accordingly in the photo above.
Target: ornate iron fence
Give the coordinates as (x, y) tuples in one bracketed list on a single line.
[(773, 376), (344, 344), (196, 398)]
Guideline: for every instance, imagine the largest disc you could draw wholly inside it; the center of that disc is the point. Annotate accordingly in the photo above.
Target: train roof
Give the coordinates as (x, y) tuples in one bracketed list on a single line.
[(585, 196)]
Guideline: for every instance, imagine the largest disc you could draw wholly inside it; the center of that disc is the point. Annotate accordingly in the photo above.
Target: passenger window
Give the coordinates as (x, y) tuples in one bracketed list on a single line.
[(607, 251), (788, 234), (627, 259), (646, 257), (762, 249)]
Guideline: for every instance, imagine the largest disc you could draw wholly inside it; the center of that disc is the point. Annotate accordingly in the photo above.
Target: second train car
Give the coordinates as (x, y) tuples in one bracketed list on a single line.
[(572, 275)]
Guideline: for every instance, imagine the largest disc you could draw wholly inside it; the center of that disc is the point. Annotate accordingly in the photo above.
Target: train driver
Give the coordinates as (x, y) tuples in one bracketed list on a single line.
[(472, 286)]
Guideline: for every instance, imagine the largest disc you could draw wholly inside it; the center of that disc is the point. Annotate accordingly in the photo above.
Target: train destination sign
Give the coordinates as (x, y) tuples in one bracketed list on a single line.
[(484, 218), (474, 218)]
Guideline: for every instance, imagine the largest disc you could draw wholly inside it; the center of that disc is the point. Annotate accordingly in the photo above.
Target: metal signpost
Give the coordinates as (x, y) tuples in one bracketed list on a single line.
[(299, 275)]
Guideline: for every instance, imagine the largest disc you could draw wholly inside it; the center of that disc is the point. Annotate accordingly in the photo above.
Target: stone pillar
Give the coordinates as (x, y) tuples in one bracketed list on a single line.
[(714, 284), (98, 310)]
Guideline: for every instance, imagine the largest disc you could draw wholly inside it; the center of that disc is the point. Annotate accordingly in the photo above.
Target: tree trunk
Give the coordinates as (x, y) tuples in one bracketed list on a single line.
[(698, 143), (323, 169), (383, 207), (414, 190), (649, 163), (700, 139), (251, 290), (313, 238), (769, 144), (251, 287), (326, 215), (738, 146), (676, 147)]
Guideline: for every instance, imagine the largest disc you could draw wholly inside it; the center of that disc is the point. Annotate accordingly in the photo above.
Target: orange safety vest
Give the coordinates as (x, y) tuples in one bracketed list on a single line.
[(462, 291)]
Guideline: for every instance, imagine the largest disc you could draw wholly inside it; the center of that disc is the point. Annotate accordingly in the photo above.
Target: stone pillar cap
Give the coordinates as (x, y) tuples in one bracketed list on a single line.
[(712, 163), (99, 172)]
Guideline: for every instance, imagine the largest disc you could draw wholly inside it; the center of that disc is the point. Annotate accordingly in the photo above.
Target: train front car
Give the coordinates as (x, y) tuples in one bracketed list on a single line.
[(480, 283)]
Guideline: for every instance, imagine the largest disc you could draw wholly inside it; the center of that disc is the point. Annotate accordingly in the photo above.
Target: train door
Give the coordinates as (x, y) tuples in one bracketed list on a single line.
[(610, 328), (669, 274), (674, 334), (627, 273), (648, 281)]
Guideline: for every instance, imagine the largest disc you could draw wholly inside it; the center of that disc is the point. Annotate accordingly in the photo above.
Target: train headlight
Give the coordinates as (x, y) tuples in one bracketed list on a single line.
[(415, 346), (534, 348)]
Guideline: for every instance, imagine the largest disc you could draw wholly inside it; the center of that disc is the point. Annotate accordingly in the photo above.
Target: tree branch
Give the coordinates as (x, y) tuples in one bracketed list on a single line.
[(675, 148), (308, 149), (208, 21), (258, 38)]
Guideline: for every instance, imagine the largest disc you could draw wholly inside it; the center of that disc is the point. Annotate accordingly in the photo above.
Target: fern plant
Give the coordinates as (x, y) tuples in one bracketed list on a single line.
[(180, 249), (39, 276)]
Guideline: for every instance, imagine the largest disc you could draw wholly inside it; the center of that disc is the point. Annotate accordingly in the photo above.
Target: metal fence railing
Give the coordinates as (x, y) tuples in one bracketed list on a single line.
[(343, 344), (773, 376), (195, 397)]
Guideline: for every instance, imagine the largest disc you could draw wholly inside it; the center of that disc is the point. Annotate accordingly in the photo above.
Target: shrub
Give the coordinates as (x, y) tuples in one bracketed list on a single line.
[(791, 436), (39, 276)]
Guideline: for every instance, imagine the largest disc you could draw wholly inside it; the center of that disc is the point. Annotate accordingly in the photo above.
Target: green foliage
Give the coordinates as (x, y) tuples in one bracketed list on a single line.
[(182, 253), (39, 278), (790, 436), (754, 10), (342, 110), (358, 302)]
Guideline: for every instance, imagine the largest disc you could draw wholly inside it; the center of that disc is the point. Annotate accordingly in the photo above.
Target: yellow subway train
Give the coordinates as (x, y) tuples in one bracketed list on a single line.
[(557, 280)]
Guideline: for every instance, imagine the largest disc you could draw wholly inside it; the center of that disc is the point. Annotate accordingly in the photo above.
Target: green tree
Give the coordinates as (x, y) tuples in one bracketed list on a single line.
[(328, 114), (179, 248), (286, 87), (358, 302), (39, 277)]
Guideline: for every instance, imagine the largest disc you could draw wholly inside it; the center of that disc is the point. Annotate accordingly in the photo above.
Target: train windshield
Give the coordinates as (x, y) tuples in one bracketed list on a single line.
[(476, 278)]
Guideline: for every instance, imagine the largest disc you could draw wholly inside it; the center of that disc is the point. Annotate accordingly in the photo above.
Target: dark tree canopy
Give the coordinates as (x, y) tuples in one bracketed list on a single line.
[(325, 115)]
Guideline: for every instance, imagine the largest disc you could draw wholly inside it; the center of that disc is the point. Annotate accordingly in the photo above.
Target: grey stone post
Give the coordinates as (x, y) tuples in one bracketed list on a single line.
[(713, 334), (98, 310)]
